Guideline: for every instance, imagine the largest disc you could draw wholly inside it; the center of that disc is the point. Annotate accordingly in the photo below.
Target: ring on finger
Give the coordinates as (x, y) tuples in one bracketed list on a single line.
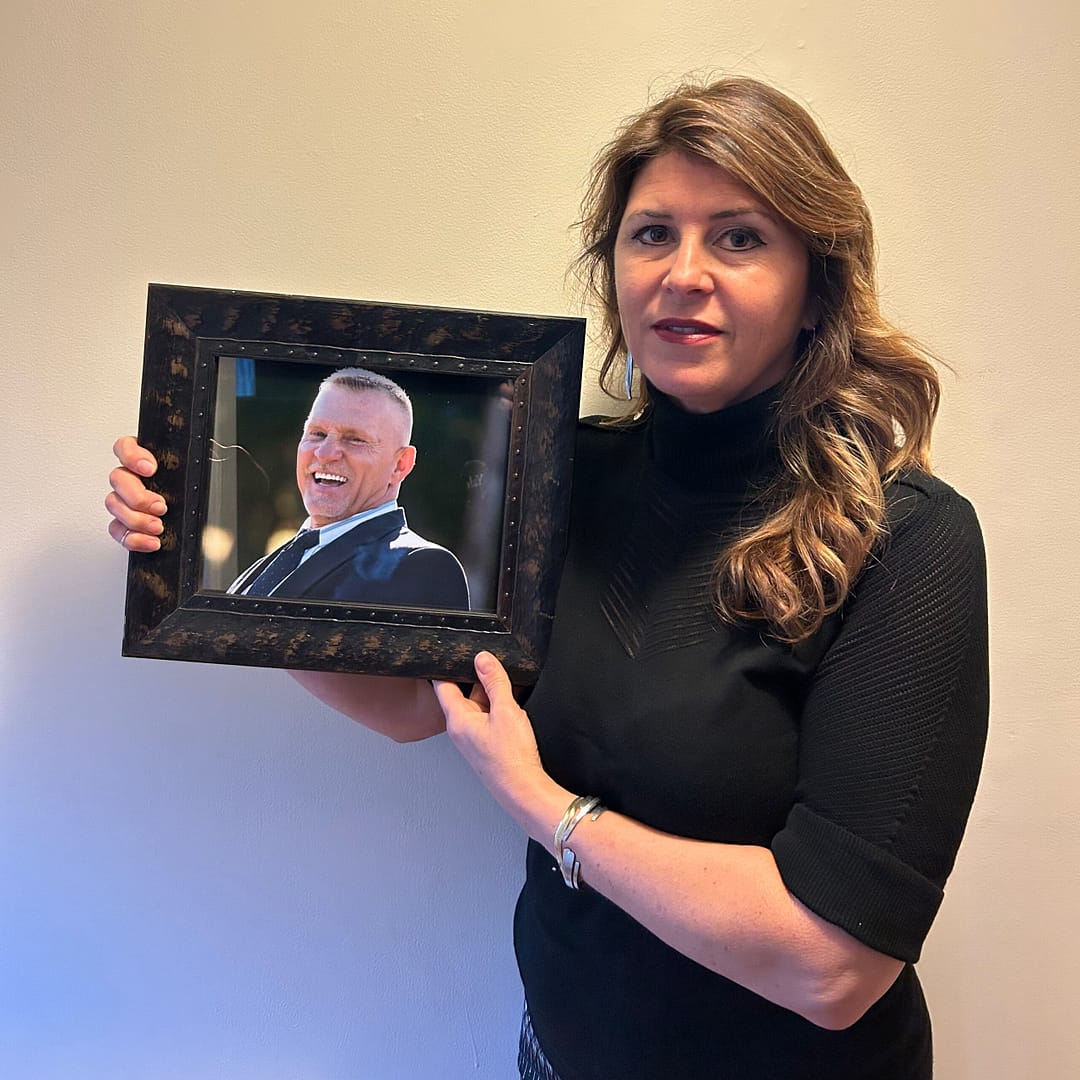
[(124, 536)]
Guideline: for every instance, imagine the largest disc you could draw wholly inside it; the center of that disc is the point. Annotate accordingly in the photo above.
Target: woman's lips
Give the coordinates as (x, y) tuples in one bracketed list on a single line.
[(684, 331)]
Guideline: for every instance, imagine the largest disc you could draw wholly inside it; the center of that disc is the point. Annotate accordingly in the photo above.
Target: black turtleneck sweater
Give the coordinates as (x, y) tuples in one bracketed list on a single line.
[(852, 756)]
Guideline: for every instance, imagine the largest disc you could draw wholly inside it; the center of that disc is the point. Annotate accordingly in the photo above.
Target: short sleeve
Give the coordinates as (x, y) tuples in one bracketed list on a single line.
[(893, 730)]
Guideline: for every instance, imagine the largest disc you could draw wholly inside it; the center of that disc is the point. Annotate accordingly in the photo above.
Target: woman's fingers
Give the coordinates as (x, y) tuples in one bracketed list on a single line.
[(493, 691), (448, 695), (136, 511), (494, 680), (131, 529), (133, 493), (134, 457), (490, 730)]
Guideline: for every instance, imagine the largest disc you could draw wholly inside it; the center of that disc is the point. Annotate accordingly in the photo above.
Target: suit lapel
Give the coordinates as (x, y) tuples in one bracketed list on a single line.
[(251, 573), (327, 559)]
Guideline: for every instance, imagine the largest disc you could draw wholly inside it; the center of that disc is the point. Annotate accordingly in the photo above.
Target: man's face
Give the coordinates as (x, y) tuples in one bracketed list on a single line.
[(353, 454)]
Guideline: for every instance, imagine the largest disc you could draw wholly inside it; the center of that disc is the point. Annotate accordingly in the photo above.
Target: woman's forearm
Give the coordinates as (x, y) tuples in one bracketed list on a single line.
[(403, 709), (723, 905)]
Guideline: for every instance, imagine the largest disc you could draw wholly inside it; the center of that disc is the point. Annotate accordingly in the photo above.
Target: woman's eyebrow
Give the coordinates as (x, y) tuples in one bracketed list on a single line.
[(735, 211)]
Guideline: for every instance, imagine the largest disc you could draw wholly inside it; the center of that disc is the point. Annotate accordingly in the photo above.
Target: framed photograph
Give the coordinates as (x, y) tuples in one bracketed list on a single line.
[(353, 486)]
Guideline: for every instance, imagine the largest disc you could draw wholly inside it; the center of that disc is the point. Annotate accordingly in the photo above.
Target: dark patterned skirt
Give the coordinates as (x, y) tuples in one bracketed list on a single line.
[(532, 1065)]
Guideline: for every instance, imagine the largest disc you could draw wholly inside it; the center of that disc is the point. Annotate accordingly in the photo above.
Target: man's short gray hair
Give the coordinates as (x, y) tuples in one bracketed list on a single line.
[(358, 379)]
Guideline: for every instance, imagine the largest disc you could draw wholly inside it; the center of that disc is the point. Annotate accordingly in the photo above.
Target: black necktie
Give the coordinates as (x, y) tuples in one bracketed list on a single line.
[(283, 563)]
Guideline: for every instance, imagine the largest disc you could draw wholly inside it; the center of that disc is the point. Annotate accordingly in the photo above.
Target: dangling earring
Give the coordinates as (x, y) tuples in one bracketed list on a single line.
[(628, 385)]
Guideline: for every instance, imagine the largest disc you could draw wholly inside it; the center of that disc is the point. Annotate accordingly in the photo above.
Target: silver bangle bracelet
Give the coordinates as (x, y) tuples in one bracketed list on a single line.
[(565, 858)]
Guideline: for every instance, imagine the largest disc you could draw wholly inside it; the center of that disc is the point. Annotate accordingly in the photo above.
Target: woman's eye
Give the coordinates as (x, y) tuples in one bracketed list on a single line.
[(740, 239), (653, 234)]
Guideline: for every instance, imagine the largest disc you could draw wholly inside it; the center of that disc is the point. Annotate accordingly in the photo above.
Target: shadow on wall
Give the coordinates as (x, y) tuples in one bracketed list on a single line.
[(202, 870)]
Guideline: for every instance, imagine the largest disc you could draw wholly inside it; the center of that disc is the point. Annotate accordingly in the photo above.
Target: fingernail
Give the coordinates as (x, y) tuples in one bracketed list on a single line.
[(483, 662), (144, 467), (158, 507)]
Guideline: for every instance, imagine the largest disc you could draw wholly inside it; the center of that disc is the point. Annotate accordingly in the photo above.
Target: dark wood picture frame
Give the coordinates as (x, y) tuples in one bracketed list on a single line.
[(189, 330)]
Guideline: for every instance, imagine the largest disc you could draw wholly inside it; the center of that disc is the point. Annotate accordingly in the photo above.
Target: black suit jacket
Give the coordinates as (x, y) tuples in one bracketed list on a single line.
[(380, 561)]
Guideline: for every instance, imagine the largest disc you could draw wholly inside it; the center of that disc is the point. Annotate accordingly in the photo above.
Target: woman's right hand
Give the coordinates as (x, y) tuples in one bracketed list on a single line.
[(136, 512)]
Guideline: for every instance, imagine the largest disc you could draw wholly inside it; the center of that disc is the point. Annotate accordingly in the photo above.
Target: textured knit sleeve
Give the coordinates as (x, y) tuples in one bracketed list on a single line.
[(893, 730)]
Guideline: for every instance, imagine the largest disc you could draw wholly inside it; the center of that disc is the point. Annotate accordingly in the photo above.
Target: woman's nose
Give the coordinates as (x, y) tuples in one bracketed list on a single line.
[(689, 270)]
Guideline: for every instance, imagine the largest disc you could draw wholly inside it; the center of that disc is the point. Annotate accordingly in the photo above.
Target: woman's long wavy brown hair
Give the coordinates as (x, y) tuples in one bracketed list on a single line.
[(859, 404)]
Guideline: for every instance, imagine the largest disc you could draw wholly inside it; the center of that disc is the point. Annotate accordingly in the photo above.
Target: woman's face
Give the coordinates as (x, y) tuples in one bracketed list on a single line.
[(712, 287)]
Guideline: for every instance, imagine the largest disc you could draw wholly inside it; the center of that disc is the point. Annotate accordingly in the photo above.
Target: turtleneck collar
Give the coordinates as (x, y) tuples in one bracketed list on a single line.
[(723, 451)]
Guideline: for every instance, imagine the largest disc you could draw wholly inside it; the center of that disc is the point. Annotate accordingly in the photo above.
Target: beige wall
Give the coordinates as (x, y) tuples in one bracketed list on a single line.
[(203, 873)]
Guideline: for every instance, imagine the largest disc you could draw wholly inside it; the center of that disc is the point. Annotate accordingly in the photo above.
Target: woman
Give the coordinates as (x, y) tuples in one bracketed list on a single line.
[(768, 660)]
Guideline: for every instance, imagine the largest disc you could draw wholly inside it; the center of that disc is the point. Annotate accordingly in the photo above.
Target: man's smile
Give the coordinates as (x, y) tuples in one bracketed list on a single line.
[(333, 479)]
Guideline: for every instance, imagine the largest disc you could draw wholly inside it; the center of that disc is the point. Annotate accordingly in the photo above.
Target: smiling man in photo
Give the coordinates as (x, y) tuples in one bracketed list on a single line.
[(355, 546)]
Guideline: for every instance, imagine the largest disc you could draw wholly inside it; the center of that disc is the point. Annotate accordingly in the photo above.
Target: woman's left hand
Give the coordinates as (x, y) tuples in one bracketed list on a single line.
[(493, 733)]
